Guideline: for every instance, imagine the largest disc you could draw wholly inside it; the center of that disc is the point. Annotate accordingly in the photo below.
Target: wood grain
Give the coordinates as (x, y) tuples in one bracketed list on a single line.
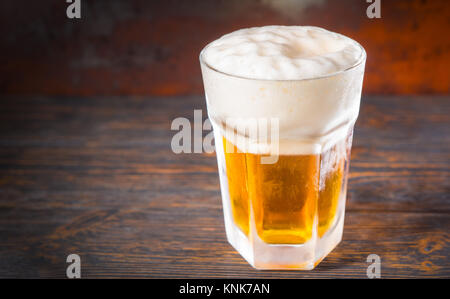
[(97, 177)]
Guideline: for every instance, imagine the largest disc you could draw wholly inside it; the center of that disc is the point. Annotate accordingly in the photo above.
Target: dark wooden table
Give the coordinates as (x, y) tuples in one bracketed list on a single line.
[(97, 177)]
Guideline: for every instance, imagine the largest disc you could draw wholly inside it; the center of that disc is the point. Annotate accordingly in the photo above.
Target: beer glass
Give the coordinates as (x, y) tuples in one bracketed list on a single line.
[(284, 193)]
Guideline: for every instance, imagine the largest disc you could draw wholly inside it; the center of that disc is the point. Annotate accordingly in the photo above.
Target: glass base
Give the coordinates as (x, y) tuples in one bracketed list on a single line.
[(263, 256)]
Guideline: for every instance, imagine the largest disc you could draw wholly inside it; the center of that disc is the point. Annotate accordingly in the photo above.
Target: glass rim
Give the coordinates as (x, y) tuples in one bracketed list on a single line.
[(358, 62)]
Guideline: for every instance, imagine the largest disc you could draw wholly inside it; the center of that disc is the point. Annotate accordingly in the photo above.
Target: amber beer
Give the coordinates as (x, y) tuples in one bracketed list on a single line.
[(285, 195), (288, 213)]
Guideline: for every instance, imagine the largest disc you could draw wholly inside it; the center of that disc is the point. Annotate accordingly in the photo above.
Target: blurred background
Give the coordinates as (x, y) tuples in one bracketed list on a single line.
[(151, 48)]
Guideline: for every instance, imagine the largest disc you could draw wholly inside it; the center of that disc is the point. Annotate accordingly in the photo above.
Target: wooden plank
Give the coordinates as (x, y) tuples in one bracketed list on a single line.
[(96, 177)]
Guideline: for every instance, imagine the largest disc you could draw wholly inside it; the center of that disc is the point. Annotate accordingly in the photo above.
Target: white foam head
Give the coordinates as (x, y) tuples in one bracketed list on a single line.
[(307, 77), (282, 53)]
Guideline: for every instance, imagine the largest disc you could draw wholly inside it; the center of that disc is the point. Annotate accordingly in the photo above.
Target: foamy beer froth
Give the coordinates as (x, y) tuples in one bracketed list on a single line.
[(283, 101)]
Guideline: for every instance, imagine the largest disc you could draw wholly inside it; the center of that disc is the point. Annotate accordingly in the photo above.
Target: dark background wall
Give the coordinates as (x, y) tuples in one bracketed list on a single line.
[(139, 47)]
